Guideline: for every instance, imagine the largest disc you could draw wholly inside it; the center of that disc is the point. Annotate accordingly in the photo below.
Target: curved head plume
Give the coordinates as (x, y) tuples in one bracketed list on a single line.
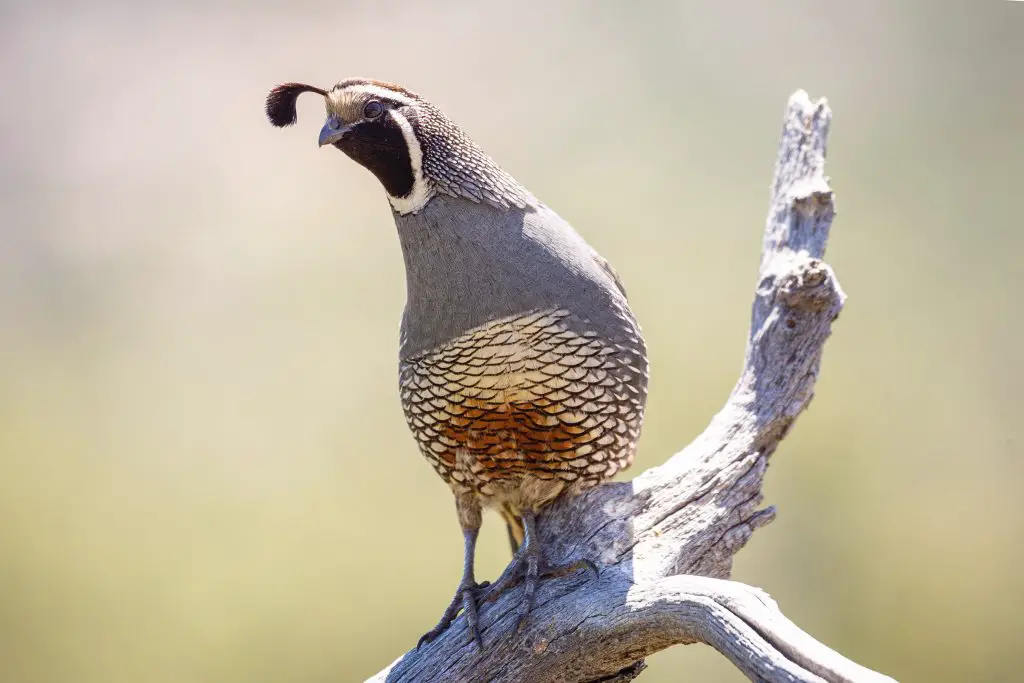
[(281, 102), (407, 143)]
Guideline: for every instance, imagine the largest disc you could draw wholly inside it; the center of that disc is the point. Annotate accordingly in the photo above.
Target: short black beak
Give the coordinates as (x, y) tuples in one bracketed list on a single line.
[(332, 131)]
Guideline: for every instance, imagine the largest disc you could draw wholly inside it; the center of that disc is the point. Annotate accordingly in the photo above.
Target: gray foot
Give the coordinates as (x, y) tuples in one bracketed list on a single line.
[(528, 567), (466, 599)]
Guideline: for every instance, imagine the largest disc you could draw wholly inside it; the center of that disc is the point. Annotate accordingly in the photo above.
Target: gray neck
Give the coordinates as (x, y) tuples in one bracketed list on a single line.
[(468, 264), (456, 166)]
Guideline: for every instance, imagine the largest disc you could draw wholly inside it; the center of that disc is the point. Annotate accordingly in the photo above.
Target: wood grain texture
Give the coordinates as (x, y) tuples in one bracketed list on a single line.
[(665, 541)]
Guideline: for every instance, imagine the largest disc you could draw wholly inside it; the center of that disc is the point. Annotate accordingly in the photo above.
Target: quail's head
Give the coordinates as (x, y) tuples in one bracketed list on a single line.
[(412, 148)]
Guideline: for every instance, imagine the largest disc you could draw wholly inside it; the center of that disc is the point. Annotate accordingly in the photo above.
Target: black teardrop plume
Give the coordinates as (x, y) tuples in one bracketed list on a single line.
[(281, 102)]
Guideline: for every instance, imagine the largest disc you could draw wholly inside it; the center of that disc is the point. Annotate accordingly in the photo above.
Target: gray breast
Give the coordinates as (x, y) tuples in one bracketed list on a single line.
[(467, 264), (523, 371)]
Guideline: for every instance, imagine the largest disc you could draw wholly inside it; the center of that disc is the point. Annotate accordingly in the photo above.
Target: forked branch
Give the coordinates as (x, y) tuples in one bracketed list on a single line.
[(665, 541)]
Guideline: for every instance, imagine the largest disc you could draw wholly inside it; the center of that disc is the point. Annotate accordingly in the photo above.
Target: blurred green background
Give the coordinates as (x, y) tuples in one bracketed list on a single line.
[(204, 470)]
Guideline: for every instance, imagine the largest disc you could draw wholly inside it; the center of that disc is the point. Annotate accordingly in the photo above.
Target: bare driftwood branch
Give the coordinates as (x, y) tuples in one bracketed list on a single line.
[(665, 541)]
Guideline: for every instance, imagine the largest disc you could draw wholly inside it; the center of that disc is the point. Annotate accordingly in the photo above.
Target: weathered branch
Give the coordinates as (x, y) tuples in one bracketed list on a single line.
[(665, 541)]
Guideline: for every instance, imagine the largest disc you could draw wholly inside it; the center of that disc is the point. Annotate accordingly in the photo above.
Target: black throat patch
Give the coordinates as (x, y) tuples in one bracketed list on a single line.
[(380, 147)]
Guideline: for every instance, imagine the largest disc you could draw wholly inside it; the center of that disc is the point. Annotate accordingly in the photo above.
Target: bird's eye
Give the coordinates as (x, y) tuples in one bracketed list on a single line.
[(373, 109)]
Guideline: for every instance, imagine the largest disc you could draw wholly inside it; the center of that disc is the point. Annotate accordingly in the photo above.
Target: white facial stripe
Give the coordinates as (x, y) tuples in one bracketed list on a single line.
[(376, 91), (421, 190)]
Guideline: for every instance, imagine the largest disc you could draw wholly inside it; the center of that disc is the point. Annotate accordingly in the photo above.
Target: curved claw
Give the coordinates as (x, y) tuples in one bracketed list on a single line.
[(515, 573), (465, 600), (469, 609)]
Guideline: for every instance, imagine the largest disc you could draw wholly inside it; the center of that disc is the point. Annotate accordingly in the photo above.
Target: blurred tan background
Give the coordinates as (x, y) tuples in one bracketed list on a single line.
[(204, 470)]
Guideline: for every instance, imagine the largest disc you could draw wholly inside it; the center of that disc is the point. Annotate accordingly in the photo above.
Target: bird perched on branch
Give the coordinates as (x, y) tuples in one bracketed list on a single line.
[(522, 370)]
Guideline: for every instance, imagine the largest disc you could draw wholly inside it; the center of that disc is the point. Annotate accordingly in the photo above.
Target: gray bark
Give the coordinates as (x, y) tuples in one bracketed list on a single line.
[(664, 542)]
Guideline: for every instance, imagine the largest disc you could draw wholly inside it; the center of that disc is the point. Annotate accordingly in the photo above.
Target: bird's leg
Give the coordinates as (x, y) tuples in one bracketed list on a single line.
[(528, 566), (470, 516), (514, 526)]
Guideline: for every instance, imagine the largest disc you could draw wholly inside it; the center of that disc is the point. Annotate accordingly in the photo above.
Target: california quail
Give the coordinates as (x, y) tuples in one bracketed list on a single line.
[(522, 372)]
